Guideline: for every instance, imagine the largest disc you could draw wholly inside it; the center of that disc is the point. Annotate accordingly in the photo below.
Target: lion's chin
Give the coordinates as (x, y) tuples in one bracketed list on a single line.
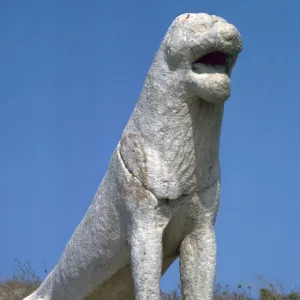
[(213, 87)]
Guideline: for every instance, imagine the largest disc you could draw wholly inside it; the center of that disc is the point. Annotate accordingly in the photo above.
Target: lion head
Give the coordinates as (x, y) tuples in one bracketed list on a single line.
[(205, 48)]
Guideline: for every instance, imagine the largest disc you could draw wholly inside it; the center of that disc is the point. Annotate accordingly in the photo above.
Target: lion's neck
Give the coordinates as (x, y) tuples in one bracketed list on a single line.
[(186, 134), (183, 130)]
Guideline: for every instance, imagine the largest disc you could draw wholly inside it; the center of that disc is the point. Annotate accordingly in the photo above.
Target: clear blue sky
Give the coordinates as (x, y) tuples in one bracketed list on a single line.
[(71, 73)]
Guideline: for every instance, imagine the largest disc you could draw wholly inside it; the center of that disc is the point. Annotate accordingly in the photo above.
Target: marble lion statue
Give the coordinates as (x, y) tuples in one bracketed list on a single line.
[(159, 198)]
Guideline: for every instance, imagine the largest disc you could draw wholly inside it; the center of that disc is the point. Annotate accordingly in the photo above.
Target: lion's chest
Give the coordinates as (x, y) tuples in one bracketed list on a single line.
[(171, 169)]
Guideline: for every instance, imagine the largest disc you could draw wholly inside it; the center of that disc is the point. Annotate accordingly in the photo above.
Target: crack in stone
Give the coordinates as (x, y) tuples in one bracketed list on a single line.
[(147, 189), (127, 169)]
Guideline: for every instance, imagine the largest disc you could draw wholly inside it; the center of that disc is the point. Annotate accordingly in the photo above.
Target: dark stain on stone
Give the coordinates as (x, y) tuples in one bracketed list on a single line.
[(133, 155)]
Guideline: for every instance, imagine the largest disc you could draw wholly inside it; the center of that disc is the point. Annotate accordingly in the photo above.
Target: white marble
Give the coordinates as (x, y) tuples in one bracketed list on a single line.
[(160, 195)]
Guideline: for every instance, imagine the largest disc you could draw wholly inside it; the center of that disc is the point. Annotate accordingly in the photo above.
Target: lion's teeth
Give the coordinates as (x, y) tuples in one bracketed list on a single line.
[(197, 65), (209, 69)]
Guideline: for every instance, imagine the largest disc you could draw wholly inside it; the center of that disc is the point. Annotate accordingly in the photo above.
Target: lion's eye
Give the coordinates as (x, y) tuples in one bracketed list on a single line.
[(204, 27)]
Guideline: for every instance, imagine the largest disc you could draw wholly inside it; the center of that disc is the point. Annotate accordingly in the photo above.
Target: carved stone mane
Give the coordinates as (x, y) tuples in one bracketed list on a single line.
[(160, 195)]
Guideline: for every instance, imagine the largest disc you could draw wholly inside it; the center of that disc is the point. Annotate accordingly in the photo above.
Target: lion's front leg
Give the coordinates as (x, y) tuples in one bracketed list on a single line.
[(198, 248), (146, 260), (198, 264), (148, 220)]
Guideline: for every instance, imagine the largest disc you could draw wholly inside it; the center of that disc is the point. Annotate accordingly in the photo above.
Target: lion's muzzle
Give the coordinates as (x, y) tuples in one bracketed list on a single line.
[(213, 57)]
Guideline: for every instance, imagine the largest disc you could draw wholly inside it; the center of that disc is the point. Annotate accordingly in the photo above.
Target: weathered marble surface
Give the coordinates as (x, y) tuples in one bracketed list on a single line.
[(160, 195)]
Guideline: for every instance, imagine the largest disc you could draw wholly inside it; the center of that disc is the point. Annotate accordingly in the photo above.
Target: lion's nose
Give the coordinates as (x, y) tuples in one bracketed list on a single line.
[(230, 34)]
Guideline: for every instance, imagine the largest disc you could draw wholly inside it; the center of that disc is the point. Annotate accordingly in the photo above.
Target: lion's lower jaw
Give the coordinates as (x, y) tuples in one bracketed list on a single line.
[(214, 88)]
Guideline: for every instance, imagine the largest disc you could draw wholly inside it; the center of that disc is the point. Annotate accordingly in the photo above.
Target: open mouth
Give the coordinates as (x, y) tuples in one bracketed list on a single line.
[(213, 62)]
